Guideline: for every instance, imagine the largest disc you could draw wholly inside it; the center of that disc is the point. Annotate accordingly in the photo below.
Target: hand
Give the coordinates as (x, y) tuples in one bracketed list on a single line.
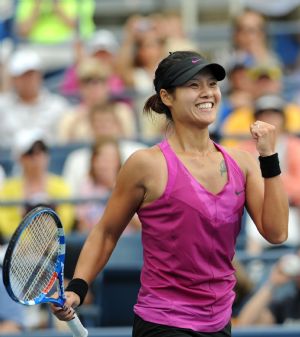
[(265, 136), (67, 312)]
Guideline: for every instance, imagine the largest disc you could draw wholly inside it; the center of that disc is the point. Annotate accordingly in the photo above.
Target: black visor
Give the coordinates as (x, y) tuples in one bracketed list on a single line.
[(185, 70)]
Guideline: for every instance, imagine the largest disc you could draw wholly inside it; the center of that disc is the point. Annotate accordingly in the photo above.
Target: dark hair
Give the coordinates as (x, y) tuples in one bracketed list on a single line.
[(154, 103)]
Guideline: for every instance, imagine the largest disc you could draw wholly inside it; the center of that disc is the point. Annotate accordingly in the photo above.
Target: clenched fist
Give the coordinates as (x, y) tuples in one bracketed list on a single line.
[(265, 136)]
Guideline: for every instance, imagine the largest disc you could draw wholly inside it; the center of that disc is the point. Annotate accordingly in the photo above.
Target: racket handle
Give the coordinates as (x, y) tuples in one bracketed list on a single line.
[(76, 327)]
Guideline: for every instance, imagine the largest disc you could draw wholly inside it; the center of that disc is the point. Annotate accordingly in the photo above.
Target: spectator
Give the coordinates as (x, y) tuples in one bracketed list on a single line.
[(270, 304), (267, 81), (51, 24), (34, 185), (103, 45), (104, 166), (243, 289), (169, 25), (104, 122), (239, 89), (141, 50), (270, 109), (249, 35), (29, 105), (94, 90)]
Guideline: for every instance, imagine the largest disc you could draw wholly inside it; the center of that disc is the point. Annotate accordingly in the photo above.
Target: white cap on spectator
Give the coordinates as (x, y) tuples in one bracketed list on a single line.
[(102, 40), (23, 61), (25, 140)]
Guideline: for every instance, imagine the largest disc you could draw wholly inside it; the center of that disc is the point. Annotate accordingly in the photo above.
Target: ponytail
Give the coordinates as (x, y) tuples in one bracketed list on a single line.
[(154, 103)]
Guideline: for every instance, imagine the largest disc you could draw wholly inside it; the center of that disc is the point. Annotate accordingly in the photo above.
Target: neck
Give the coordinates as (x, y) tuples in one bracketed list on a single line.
[(29, 99), (191, 142)]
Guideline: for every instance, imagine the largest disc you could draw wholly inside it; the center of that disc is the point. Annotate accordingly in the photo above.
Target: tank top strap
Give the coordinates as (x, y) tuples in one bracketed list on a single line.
[(172, 165)]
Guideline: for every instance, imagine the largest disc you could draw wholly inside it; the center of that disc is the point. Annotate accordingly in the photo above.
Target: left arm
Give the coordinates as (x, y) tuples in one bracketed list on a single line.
[(266, 199)]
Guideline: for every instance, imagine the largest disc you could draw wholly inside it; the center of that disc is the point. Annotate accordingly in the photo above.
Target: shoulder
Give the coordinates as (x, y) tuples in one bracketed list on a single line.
[(146, 159)]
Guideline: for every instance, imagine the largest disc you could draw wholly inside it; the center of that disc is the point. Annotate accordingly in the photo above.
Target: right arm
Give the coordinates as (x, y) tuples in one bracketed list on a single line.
[(127, 197), (24, 27)]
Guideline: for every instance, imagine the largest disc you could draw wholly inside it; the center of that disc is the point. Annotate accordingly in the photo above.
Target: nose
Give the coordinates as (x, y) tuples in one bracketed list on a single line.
[(206, 92)]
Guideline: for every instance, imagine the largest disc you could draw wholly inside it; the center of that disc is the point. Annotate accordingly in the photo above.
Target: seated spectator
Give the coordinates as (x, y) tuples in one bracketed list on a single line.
[(50, 25), (34, 185), (267, 81), (270, 304), (141, 50), (238, 93), (28, 104), (105, 164), (103, 121), (249, 35), (103, 46), (94, 89), (270, 109)]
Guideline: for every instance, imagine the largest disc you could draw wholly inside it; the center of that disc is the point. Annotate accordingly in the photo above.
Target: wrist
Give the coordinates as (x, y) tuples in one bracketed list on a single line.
[(267, 154), (269, 165), (79, 287)]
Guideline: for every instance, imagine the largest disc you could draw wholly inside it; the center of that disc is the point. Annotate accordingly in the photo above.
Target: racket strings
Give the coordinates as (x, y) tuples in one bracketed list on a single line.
[(34, 258)]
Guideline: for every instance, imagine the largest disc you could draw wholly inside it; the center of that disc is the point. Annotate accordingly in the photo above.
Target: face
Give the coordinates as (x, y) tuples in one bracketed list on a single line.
[(94, 90), (197, 101), (266, 85), (273, 118), (249, 31), (35, 162), (28, 84), (106, 164), (105, 123), (150, 49)]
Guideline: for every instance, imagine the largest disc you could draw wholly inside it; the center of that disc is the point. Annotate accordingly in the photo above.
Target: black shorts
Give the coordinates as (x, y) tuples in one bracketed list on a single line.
[(142, 328)]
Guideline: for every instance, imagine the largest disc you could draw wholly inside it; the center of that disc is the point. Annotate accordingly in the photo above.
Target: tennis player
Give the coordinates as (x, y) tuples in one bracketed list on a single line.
[(189, 194)]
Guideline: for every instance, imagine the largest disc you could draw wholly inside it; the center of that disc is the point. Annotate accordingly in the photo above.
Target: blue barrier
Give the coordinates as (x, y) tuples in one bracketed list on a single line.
[(272, 331)]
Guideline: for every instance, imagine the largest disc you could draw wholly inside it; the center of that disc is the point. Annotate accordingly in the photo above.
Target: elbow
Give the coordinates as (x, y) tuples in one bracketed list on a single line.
[(278, 239)]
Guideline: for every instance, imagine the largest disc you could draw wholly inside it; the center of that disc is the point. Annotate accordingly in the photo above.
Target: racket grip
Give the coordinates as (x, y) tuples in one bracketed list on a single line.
[(76, 327)]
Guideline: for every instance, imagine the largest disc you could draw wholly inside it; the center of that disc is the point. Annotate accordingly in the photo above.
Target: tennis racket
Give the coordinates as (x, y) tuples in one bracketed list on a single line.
[(33, 264)]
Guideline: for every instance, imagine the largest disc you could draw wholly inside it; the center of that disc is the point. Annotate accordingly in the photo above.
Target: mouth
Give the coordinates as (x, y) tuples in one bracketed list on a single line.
[(207, 106)]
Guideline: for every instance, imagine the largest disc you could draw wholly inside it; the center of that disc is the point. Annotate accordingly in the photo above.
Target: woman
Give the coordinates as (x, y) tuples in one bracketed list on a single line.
[(189, 194)]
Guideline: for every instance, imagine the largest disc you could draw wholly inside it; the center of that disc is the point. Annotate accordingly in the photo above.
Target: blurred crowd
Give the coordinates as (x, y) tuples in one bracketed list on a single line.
[(71, 109)]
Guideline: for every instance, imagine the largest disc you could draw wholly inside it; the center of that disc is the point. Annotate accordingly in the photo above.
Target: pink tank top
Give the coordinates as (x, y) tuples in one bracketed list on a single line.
[(189, 237)]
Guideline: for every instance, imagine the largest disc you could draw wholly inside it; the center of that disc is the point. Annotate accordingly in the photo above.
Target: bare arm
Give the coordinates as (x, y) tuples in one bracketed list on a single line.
[(128, 195), (25, 26), (125, 64), (266, 199)]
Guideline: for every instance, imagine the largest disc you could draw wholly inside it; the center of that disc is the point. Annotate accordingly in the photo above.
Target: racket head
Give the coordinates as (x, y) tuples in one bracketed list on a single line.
[(34, 259)]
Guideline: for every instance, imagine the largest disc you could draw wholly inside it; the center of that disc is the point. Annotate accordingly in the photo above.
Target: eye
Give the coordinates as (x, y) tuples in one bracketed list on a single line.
[(193, 84), (213, 83)]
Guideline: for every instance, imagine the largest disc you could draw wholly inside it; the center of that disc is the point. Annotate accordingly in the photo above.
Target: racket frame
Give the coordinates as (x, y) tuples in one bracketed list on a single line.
[(59, 264)]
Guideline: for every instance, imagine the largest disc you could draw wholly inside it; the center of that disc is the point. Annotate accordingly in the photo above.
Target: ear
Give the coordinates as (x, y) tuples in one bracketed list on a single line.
[(166, 98)]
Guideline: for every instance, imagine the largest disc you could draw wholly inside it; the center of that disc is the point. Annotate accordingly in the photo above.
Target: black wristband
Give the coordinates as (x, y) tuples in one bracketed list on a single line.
[(269, 166), (79, 287)]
